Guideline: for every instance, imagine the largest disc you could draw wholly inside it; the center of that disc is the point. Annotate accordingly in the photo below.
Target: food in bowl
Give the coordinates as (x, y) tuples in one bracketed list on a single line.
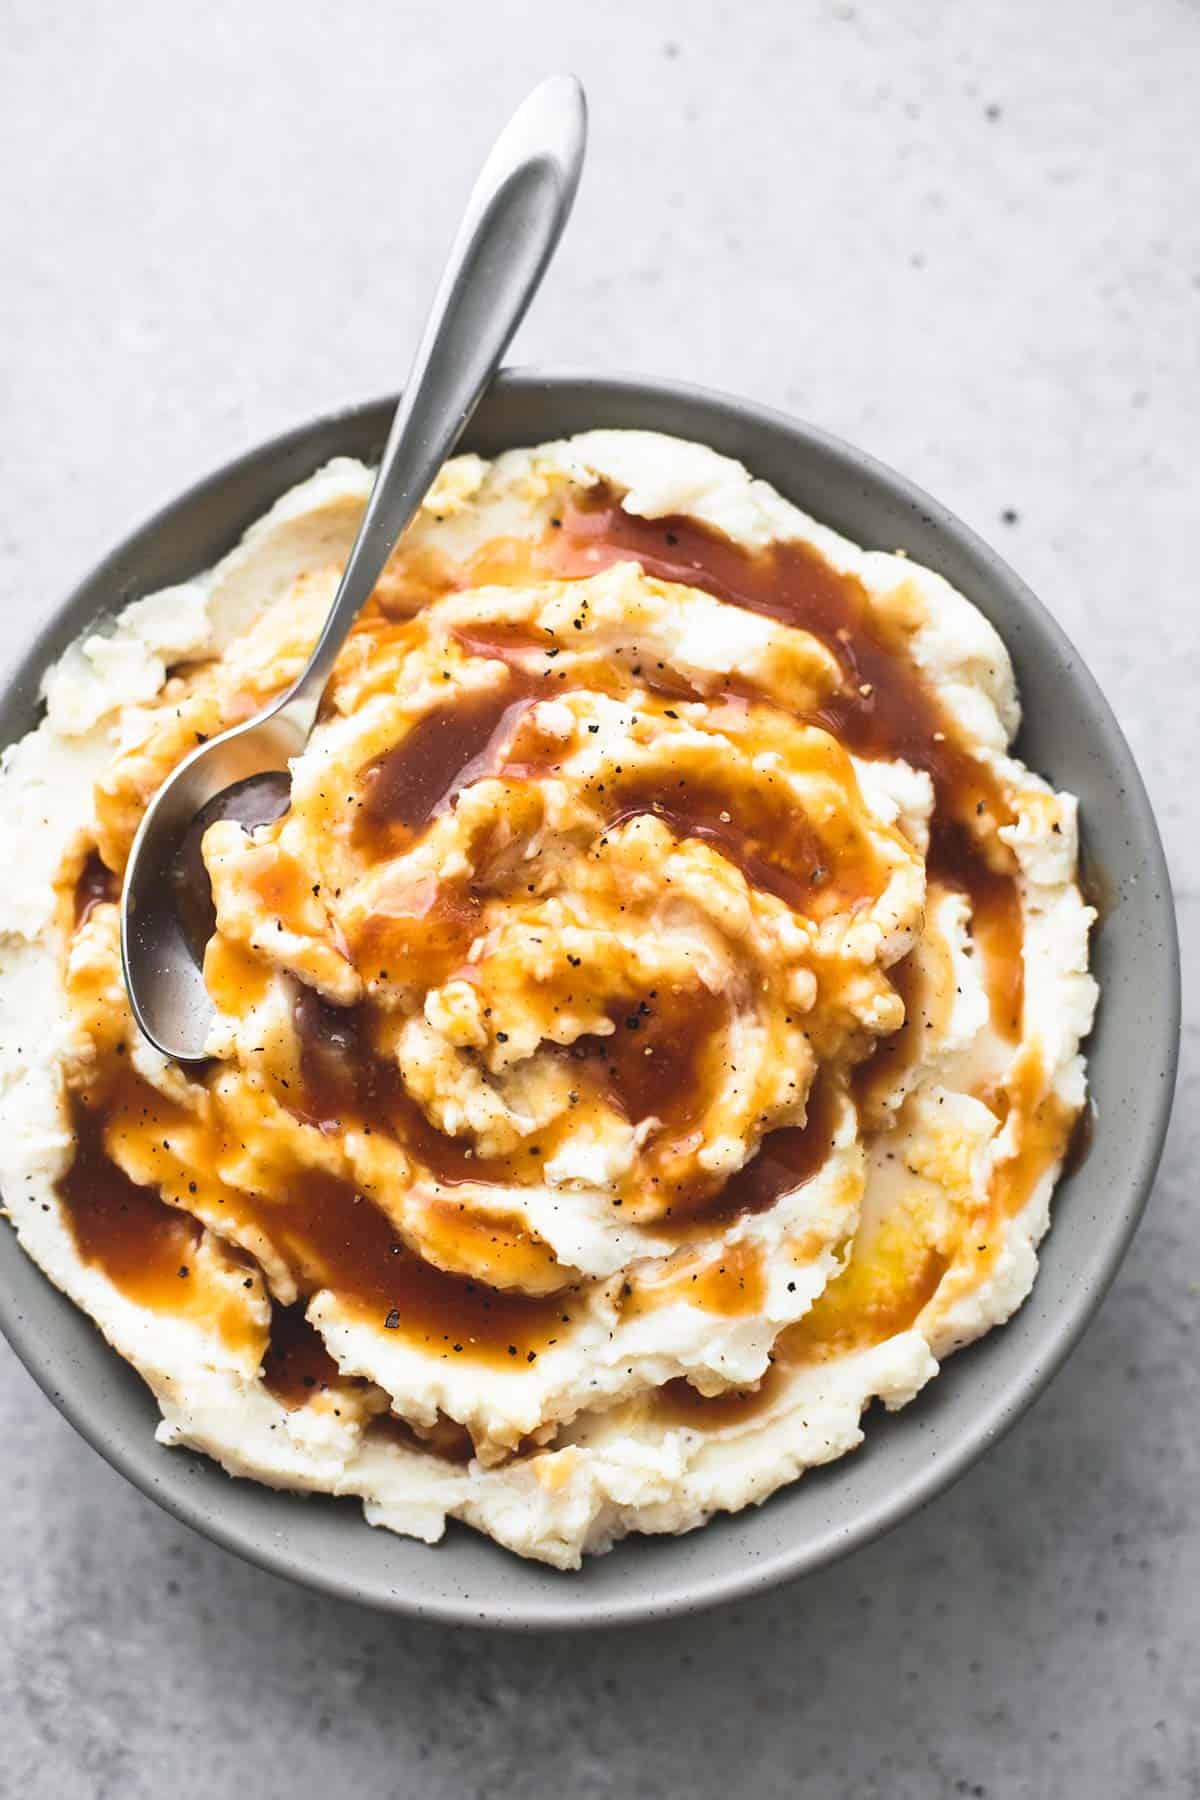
[(651, 1034)]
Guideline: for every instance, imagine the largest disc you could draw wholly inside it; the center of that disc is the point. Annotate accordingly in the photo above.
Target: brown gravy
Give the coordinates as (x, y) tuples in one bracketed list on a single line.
[(786, 1159), (297, 1365), (333, 1236), (882, 709), (874, 1078), (729, 1282), (96, 886), (329, 1235), (996, 924), (735, 1284), (443, 753), (677, 1403), (340, 1239), (447, 1439), (774, 847), (344, 1082), (143, 1245), (258, 800), (653, 1065)]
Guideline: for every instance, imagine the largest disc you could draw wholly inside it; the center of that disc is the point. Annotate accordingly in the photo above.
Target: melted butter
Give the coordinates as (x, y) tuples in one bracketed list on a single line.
[(886, 1285)]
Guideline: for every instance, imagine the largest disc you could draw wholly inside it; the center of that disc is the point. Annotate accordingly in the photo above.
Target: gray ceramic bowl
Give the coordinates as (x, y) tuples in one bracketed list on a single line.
[(1069, 734)]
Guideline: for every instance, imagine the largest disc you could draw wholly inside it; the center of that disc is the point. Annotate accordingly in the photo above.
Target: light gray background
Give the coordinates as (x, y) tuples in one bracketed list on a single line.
[(966, 236)]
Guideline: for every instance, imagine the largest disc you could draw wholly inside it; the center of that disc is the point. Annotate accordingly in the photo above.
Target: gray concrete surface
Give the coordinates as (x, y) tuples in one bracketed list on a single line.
[(967, 236)]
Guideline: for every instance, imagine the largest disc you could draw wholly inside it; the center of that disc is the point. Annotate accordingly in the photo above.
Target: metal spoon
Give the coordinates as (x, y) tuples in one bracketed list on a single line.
[(512, 224)]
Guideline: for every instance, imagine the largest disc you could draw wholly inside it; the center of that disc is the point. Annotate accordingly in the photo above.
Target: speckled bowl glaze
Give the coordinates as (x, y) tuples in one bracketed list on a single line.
[(1069, 735)]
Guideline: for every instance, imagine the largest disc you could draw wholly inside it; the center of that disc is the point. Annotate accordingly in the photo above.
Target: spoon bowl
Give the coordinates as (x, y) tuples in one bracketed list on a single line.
[(242, 774)]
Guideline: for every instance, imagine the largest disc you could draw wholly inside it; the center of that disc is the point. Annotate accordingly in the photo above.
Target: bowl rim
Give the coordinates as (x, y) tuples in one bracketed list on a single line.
[(52, 1370)]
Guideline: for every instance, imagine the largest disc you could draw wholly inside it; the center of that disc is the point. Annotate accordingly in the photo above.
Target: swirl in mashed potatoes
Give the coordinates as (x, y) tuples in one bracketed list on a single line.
[(650, 1034)]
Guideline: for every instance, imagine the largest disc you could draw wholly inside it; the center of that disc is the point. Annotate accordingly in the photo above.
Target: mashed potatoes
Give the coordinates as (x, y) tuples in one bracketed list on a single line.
[(651, 1034)]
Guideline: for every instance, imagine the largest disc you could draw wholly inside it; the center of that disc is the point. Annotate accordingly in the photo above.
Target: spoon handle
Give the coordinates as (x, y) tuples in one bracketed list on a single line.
[(512, 224)]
